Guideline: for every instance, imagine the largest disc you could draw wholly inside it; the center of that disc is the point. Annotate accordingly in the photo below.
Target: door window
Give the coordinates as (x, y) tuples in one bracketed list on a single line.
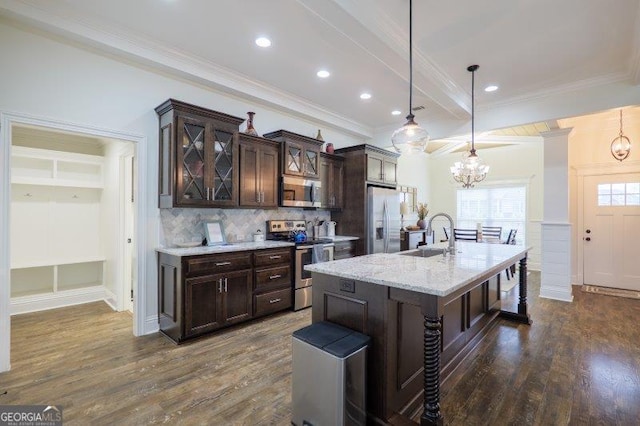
[(619, 194)]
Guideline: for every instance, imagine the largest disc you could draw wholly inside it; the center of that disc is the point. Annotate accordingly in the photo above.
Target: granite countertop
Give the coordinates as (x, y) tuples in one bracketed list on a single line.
[(249, 245), (438, 275)]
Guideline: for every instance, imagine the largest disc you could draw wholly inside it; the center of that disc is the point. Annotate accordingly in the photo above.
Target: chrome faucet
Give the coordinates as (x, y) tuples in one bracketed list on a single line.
[(452, 241)]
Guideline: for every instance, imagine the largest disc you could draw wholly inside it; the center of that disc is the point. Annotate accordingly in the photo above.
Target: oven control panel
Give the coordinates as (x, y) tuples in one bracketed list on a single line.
[(286, 225)]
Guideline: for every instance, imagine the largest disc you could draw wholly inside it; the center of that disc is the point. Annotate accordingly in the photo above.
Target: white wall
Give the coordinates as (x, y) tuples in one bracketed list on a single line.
[(516, 164), (413, 170), (48, 78)]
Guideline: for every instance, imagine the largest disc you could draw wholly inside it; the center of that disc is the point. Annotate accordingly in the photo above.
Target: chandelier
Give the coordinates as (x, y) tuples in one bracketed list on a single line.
[(621, 145), (471, 169), (410, 138)]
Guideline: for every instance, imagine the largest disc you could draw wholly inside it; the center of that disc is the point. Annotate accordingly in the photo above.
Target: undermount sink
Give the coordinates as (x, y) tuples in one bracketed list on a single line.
[(424, 252)]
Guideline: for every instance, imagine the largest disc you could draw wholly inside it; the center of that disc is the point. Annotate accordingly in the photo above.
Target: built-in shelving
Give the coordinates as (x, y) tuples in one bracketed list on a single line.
[(56, 234), (35, 166)]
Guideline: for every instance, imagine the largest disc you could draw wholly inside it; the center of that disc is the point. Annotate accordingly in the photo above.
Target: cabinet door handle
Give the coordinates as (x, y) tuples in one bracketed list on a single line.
[(275, 300), (220, 285), (226, 281), (275, 257), (273, 277), (223, 263)]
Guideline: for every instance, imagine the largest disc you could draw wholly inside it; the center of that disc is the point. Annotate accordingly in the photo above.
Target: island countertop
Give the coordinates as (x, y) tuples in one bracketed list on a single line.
[(437, 275)]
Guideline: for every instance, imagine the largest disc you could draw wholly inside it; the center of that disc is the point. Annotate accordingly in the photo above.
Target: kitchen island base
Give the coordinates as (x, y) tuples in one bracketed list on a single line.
[(418, 339)]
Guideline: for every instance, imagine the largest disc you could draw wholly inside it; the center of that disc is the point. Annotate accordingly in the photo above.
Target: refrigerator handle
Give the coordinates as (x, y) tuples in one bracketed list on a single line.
[(385, 226)]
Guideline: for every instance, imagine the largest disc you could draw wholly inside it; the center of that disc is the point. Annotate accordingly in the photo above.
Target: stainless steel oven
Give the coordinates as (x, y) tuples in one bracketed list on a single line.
[(304, 256), (299, 192)]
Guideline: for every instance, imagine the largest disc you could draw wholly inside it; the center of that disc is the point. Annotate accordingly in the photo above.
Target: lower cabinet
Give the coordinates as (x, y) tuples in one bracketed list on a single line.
[(200, 294), (344, 249)]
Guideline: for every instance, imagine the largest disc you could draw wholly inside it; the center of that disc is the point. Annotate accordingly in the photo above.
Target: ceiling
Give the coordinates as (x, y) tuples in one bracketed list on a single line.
[(541, 53)]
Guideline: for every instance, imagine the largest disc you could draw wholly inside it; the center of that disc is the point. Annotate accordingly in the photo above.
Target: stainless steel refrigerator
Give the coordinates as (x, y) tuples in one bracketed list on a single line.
[(383, 228)]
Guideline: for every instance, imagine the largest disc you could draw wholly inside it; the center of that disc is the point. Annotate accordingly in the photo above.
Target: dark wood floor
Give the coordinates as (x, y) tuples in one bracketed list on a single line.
[(578, 364)]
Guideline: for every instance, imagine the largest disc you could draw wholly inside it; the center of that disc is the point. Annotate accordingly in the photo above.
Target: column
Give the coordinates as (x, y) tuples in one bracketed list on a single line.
[(555, 278)]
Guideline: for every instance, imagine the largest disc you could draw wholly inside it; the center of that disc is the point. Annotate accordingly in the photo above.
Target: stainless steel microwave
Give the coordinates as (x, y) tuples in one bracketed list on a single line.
[(299, 192)]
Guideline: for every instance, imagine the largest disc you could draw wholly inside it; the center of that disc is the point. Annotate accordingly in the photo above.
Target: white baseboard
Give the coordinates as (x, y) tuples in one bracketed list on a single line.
[(60, 299), (151, 325), (562, 295), (111, 299)]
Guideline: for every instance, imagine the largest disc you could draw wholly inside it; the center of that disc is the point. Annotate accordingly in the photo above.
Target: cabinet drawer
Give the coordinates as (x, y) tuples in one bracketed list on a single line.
[(272, 302), (272, 257), (218, 263), (273, 277), (344, 250)]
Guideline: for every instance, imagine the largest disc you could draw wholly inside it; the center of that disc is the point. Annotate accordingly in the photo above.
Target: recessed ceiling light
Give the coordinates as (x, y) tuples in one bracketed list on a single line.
[(491, 88), (396, 112), (323, 73), (263, 42), (365, 96)]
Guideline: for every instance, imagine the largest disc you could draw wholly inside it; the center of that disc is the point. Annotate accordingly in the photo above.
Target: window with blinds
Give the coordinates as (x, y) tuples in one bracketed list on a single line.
[(504, 206)]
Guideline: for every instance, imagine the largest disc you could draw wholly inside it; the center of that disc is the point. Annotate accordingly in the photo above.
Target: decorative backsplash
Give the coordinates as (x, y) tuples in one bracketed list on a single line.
[(186, 225)]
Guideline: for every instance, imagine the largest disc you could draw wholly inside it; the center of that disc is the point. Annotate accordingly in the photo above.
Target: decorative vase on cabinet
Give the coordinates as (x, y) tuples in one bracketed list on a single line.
[(250, 129)]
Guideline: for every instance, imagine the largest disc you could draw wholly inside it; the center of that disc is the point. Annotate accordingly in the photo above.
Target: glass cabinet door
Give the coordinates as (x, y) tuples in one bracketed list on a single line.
[(191, 183), (223, 166), (294, 159), (311, 163)]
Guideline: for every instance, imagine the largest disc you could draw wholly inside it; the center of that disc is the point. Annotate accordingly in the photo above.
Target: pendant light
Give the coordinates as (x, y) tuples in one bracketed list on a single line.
[(410, 138), (471, 169), (621, 145)]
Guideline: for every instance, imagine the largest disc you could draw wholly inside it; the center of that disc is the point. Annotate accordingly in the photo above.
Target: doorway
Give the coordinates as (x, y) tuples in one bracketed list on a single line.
[(611, 230), (8, 124)]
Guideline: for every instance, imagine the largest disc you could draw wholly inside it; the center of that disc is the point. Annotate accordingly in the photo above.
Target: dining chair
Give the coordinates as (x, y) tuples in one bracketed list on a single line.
[(465, 234), (492, 232), (511, 239)]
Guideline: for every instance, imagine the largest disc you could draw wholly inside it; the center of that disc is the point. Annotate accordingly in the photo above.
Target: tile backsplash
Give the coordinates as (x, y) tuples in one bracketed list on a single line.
[(185, 225)]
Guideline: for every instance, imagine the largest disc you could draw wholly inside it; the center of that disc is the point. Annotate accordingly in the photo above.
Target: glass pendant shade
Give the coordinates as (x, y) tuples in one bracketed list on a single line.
[(621, 145), (470, 170), (410, 138)]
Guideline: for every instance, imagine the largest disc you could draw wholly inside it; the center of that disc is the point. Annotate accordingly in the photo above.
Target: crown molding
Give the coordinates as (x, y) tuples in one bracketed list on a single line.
[(561, 89), (168, 59)]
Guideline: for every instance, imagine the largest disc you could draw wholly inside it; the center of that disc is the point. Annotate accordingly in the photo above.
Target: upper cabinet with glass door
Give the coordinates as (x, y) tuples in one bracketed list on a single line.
[(300, 154), (198, 157)]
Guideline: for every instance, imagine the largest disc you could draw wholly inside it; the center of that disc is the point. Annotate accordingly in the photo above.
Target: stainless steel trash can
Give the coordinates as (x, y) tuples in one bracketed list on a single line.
[(329, 373)]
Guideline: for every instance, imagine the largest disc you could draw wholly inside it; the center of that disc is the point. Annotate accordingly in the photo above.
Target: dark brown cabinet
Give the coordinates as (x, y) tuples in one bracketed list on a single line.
[(381, 168), (258, 172), (237, 303), (332, 177), (198, 163), (300, 154), (364, 165), (344, 249), (273, 281), (202, 305), (200, 294)]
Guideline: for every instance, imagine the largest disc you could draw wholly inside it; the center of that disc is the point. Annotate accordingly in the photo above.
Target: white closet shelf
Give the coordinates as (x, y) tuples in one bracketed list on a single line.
[(56, 262), (35, 166), (55, 182)]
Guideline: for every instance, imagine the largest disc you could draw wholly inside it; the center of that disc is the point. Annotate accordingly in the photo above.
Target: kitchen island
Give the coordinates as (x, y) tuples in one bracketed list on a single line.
[(424, 310)]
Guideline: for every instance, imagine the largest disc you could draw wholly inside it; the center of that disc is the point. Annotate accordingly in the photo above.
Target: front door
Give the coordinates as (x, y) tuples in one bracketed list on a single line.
[(611, 234)]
